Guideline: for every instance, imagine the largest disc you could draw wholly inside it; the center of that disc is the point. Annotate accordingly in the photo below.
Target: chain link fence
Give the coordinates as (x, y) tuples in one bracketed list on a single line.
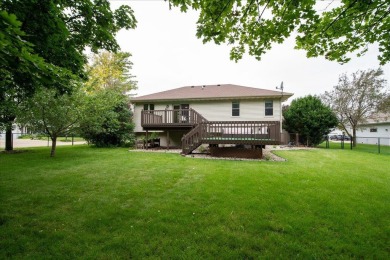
[(373, 144), (366, 144)]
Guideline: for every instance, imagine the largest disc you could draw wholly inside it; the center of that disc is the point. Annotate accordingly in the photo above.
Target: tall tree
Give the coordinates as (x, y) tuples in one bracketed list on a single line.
[(333, 31), (108, 117), (384, 106), (109, 70), (309, 117), (59, 31), (21, 71), (355, 98)]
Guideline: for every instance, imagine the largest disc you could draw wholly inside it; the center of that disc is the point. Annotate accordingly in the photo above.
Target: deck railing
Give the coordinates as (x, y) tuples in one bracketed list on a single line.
[(232, 132), (212, 132), (245, 131), (175, 117)]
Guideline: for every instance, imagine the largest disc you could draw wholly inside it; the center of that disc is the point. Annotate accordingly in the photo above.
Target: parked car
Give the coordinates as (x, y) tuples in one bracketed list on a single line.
[(343, 137), (339, 137), (347, 138)]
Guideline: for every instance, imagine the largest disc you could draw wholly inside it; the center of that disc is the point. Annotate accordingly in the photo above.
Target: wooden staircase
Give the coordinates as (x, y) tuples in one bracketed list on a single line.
[(252, 133), (192, 139)]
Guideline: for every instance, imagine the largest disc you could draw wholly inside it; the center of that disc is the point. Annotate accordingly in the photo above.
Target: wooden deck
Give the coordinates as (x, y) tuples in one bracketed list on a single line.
[(202, 131), (232, 132), (170, 119)]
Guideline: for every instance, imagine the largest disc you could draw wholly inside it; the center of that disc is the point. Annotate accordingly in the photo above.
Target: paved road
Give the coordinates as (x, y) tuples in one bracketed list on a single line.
[(21, 143)]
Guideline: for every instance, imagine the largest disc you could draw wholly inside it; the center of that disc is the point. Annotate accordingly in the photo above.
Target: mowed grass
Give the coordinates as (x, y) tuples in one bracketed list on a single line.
[(112, 203)]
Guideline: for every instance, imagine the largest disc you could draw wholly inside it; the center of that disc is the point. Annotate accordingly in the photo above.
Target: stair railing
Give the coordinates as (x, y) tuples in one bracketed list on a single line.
[(192, 140)]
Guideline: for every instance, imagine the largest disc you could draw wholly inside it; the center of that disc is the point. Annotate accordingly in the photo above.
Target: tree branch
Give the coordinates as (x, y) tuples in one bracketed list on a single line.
[(327, 6), (265, 7), (247, 9), (223, 10), (376, 23), (285, 8), (44, 122), (73, 18), (339, 16)]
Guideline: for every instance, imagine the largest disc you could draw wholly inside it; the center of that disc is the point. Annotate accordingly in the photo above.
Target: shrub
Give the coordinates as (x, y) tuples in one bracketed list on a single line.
[(309, 117), (108, 120)]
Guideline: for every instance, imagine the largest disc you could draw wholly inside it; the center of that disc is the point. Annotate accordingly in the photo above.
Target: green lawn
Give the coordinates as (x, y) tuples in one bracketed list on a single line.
[(111, 203)]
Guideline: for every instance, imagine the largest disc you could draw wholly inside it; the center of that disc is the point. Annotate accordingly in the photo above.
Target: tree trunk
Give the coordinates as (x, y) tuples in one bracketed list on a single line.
[(354, 137), (53, 146), (9, 146)]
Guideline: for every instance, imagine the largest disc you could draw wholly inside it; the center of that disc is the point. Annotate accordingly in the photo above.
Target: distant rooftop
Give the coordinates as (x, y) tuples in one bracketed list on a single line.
[(377, 118), (212, 92)]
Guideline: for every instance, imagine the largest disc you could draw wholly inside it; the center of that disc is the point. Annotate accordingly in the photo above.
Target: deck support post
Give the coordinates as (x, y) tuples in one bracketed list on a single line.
[(147, 139), (168, 140)]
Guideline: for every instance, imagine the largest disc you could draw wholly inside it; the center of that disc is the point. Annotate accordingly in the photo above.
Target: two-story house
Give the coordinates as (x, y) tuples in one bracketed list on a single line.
[(211, 114)]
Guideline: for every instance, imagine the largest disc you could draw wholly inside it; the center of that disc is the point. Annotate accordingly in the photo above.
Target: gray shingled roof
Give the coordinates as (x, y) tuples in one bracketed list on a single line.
[(212, 92), (377, 119)]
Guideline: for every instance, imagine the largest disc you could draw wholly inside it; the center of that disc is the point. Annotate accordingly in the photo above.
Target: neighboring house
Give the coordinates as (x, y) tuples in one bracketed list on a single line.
[(376, 126), (16, 132), (211, 114)]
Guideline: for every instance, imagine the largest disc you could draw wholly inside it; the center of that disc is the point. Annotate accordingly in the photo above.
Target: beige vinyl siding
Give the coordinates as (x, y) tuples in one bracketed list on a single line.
[(137, 117), (250, 110)]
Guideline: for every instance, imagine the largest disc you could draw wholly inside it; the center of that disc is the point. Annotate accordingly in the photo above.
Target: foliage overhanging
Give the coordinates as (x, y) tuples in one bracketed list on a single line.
[(327, 28)]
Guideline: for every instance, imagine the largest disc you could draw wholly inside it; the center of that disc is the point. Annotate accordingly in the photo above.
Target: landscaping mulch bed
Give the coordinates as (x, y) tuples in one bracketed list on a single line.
[(267, 153)]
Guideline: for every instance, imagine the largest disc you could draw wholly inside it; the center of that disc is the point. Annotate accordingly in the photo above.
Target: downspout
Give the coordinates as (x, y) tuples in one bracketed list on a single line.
[(281, 115)]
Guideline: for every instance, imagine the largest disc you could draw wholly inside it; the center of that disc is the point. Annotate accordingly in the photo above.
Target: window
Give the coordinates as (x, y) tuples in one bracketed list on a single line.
[(148, 107), (269, 108), (235, 108), (373, 130)]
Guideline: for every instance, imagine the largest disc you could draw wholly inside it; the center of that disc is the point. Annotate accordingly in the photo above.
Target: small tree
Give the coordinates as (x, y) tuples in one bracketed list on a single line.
[(52, 113), (353, 100), (309, 117)]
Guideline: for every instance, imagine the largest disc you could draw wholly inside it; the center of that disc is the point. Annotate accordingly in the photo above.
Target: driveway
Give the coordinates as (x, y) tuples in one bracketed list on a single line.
[(22, 143)]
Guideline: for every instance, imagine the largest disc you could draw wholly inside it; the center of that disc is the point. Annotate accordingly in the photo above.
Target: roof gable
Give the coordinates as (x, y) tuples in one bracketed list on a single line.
[(212, 92)]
